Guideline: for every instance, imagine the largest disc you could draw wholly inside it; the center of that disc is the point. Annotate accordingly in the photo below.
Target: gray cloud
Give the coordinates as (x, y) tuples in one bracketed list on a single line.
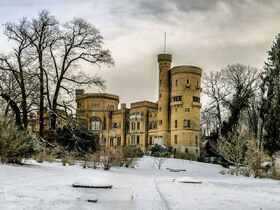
[(207, 33)]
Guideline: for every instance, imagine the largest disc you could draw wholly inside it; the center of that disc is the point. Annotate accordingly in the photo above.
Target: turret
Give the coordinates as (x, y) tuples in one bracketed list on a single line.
[(164, 61)]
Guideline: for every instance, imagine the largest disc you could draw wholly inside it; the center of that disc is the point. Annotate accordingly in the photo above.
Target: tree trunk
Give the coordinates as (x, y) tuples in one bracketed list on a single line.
[(24, 109), (54, 103), (41, 108), (14, 107)]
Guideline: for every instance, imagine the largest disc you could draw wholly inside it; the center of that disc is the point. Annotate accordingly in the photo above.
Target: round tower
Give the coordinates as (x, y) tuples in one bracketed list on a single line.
[(185, 109), (164, 61)]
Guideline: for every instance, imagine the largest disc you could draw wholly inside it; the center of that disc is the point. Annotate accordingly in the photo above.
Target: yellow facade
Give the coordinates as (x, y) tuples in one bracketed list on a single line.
[(173, 121)]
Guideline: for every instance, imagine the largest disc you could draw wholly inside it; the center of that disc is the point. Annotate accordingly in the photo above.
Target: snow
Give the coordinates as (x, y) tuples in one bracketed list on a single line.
[(92, 182), (49, 186), (189, 180)]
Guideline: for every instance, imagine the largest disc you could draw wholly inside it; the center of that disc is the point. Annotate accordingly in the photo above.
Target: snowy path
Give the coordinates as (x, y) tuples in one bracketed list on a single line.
[(47, 186)]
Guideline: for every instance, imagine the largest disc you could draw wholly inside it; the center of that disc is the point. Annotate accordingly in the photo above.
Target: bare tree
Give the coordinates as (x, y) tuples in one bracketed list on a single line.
[(213, 87), (240, 87), (45, 59), (78, 41), (231, 91), (41, 33), (233, 148), (9, 93)]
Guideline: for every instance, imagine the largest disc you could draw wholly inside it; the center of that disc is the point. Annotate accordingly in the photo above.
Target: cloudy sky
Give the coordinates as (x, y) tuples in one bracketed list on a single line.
[(207, 33)]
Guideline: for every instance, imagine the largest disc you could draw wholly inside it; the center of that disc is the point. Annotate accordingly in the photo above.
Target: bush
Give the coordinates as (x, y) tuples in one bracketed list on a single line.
[(160, 151), (132, 151), (91, 160), (78, 140), (185, 156), (45, 155), (15, 144), (68, 159), (111, 157)]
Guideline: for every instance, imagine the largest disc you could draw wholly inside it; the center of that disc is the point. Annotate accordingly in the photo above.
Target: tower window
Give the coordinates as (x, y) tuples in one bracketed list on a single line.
[(196, 140), (196, 99), (176, 123), (138, 139), (177, 98), (160, 122), (188, 81), (175, 139), (176, 82), (187, 109), (138, 125), (187, 123), (95, 125)]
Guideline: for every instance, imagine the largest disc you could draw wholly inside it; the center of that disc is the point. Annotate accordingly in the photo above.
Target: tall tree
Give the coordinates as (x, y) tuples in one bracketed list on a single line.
[(41, 33), (270, 109), (19, 63), (213, 87), (78, 42), (240, 86)]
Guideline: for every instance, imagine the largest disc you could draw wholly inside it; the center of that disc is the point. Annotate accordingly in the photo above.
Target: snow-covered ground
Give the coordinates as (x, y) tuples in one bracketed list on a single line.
[(48, 186)]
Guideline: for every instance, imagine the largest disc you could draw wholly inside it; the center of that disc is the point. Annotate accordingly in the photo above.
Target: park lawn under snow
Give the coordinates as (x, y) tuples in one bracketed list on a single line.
[(48, 186)]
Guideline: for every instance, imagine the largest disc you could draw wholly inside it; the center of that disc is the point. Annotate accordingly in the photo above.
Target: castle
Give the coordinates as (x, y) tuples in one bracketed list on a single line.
[(173, 121)]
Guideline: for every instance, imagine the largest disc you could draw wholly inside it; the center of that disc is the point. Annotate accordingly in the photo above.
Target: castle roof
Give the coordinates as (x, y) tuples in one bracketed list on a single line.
[(186, 69), (143, 103), (98, 95)]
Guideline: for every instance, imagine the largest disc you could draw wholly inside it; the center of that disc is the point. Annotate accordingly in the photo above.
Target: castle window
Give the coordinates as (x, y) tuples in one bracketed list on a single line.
[(132, 126), (138, 139), (176, 82), (160, 122), (155, 125), (119, 141), (95, 124), (150, 125), (114, 125), (104, 124), (176, 124), (187, 123), (138, 125), (188, 81), (187, 109), (151, 140), (196, 99), (175, 139), (132, 141), (196, 140), (177, 98), (186, 150)]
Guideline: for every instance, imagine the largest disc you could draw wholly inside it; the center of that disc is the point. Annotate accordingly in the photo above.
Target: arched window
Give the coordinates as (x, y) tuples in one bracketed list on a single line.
[(95, 124)]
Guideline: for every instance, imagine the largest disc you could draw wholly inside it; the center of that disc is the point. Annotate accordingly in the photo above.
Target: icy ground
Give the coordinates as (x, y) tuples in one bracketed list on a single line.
[(48, 186)]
